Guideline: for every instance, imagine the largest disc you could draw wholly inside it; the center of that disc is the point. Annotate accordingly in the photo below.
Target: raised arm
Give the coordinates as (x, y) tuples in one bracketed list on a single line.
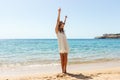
[(65, 19), (58, 20)]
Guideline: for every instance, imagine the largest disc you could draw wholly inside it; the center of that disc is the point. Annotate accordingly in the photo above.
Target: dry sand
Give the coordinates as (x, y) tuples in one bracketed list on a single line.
[(93, 71)]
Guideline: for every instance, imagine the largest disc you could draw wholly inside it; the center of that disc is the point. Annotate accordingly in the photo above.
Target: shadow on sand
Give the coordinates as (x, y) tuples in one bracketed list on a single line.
[(79, 76)]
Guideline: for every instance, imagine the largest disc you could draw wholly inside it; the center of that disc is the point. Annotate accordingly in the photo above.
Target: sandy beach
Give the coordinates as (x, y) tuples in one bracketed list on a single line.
[(91, 71), (40, 39)]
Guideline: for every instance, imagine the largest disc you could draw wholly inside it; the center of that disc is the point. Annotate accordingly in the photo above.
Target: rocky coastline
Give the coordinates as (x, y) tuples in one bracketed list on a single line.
[(109, 36)]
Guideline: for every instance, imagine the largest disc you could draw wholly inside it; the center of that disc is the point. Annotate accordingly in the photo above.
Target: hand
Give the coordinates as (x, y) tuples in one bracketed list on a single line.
[(65, 16), (59, 9)]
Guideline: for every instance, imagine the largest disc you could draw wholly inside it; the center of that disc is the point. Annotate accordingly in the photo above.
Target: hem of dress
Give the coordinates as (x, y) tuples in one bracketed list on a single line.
[(64, 53)]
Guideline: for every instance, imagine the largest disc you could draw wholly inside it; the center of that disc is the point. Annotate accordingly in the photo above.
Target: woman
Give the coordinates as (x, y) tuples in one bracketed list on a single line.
[(62, 41)]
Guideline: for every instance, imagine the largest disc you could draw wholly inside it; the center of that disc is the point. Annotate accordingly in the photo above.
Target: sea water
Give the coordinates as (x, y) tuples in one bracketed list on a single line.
[(22, 52)]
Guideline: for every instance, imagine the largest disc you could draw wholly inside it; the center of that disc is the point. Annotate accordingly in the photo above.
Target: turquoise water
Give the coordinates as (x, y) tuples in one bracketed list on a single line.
[(45, 51)]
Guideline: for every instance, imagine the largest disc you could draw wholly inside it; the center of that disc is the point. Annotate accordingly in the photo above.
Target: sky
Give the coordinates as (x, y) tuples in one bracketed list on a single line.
[(37, 18)]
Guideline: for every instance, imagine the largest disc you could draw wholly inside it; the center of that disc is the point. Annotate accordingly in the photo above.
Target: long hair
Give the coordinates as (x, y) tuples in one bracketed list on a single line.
[(61, 30)]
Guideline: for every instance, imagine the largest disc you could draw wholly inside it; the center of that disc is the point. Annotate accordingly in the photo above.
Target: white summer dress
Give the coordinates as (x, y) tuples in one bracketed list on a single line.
[(62, 43)]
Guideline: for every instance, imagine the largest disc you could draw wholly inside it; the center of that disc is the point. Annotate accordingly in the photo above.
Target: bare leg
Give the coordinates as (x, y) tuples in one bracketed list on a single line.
[(62, 61), (65, 62)]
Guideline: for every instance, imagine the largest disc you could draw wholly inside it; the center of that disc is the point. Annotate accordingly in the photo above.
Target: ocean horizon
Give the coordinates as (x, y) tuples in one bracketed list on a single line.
[(26, 52)]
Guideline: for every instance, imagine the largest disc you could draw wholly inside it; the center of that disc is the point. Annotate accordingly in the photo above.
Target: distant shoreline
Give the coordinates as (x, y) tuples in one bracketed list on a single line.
[(109, 36)]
